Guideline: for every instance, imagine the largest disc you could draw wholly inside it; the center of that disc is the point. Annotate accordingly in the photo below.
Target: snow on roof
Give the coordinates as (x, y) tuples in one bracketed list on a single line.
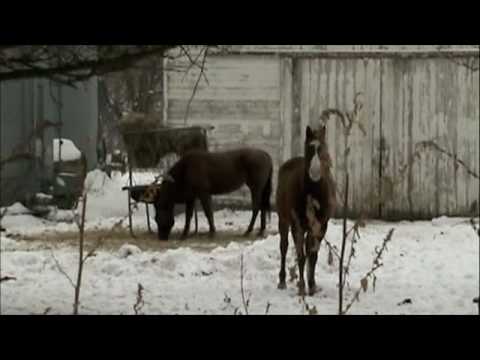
[(68, 151)]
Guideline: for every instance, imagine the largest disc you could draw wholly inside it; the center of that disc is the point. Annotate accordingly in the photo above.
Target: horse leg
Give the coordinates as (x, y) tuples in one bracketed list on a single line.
[(263, 222), (188, 218), (206, 201), (283, 230), (312, 256), (298, 236), (196, 217), (256, 198)]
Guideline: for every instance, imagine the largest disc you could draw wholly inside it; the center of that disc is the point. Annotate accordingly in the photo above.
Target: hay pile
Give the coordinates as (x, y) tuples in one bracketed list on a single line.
[(147, 141)]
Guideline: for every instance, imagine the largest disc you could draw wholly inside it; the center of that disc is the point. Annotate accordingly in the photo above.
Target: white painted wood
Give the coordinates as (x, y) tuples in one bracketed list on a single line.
[(249, 100)]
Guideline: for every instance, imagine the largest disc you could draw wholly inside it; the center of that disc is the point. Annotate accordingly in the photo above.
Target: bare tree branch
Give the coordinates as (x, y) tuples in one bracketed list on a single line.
[(376, 264), (342, 254), (81, 260), (140, 302), (245, 301), (187, 111), (60, 268), (70, 64)]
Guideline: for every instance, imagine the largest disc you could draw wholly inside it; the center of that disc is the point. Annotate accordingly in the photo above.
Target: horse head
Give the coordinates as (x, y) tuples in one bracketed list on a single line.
[(317, 159)]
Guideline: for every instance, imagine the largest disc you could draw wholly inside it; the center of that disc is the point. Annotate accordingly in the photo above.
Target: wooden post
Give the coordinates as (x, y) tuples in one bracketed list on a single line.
[(344, 240), (130, 183), (148, 218)]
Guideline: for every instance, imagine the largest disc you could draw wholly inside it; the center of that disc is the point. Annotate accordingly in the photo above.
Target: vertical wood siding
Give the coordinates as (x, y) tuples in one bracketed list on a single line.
[(267, 101), (241, 101)]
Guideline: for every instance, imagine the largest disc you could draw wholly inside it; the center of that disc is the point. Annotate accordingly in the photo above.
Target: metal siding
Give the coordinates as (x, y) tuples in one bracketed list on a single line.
[(80, 118), (16, 125)]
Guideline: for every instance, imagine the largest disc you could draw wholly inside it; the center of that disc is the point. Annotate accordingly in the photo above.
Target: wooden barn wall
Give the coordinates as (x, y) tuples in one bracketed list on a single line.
[(326, 84), (429, 100), (267, 101), (239, 96), (346, 48)]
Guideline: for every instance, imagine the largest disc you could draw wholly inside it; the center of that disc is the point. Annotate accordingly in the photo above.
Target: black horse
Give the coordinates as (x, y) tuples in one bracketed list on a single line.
[(305, 203), (201, 174)]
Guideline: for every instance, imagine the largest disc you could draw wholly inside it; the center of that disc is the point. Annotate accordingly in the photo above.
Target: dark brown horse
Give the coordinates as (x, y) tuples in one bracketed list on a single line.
[(201, 174), (305, 203)]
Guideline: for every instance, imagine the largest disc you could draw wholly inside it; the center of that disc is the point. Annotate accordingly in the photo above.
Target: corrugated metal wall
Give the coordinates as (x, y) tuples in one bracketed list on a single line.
[(267, 101), (16, 124), (23, 105)]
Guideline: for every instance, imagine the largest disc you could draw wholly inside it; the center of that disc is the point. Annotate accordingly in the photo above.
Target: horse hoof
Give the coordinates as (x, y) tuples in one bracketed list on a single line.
[(183, 237), (247, 234), (312, 290), (261, 234), (211, 235), (282, 286)]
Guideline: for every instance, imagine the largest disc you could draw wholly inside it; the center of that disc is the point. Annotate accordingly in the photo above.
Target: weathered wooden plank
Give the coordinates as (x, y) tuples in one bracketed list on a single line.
[(240, 97), (286, 104), (221, 93), (304, 102), (297, 84), (467, 123), (333, 84), (241, 110), (407, 101), (432, 104), (392, 98), (228, 77)]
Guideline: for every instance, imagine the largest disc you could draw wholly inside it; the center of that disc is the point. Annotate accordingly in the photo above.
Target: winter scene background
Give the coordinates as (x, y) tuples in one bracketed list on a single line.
[(431, 267), (401, 125)]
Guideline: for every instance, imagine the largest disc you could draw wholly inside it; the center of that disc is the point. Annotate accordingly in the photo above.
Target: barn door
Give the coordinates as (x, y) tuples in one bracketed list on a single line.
[(320, 84), (430, 100)]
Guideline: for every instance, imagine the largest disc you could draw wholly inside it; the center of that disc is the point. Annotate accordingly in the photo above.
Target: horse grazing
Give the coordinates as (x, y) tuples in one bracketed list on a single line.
[(305, 203), (201, 174)]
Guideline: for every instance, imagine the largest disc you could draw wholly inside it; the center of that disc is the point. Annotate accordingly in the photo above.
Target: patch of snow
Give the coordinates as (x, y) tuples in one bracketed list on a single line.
[(42, 196), (7, 244), (60, 181), (448, 221), (59, 216), (439, 274), (435, 264), (17, 209), (127, 250), (68, 150)]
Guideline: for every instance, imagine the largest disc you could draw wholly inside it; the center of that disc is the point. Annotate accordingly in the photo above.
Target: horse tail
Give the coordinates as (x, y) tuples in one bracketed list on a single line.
[(267, 192)]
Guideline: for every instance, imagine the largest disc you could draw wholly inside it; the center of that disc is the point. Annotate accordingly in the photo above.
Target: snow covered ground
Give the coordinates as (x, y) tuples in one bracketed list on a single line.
[(434, 264)]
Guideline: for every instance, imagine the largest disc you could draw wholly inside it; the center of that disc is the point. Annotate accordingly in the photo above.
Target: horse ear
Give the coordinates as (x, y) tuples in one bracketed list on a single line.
[(309, 135)]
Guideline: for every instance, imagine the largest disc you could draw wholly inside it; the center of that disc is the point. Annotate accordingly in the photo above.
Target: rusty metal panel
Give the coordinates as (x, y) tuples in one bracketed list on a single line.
[(429, 100)]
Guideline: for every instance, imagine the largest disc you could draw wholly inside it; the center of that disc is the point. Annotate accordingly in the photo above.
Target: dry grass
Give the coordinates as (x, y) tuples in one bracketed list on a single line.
[(113, 240)]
